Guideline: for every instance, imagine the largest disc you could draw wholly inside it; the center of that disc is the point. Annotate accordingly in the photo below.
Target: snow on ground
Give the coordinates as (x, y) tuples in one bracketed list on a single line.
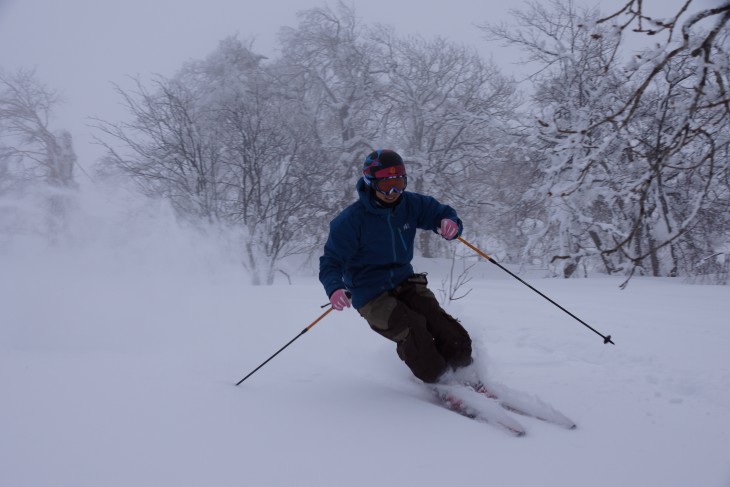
[(118, 363)]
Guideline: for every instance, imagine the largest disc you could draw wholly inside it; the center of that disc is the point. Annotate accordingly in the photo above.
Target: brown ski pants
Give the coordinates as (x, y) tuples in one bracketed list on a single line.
[(428, 339)]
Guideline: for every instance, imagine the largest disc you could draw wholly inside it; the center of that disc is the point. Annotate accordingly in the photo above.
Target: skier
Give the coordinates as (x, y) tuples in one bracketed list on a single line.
[(368, 257)]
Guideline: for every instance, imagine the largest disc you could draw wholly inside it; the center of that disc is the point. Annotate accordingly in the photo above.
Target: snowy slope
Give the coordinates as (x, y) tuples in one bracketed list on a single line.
[(118, 364)]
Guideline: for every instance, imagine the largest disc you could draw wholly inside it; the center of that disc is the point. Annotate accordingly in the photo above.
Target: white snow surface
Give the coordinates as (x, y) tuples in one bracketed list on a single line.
[(119, 355)]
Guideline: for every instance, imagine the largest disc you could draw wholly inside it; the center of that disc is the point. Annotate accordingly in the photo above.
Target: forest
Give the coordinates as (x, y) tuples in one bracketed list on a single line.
[(607, 159)]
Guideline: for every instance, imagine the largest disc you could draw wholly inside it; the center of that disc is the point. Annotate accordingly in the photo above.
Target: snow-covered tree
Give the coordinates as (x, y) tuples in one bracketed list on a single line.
[(220, 143), (40, 153), (631, 147), (165, 148), (34, 158), (333, 69), (447, 109), (271, 183)]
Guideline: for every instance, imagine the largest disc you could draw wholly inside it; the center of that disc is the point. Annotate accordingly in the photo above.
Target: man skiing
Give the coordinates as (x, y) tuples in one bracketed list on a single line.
[(368, 256)]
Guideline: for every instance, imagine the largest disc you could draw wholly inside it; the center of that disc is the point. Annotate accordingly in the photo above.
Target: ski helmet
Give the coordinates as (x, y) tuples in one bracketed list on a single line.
[(381, 164)]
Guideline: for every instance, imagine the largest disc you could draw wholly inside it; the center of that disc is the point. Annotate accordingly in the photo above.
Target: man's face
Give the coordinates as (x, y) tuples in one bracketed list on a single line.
[(390, 188), (391, 198)]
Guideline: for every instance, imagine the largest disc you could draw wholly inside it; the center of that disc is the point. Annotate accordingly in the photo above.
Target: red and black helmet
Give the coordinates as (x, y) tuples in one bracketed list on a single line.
[(382, 164), (384, 171)]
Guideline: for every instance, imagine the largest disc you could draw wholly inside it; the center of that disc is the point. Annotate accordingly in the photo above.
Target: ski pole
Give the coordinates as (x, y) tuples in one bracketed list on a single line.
[(290, 342), (606, 338)]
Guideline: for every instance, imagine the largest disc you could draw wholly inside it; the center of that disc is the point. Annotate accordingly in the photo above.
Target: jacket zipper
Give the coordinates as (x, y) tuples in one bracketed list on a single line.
[(392, 242), (402, 239)]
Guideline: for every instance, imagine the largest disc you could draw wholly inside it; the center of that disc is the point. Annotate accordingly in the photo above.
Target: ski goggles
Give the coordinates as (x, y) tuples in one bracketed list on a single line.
[(393, 184)]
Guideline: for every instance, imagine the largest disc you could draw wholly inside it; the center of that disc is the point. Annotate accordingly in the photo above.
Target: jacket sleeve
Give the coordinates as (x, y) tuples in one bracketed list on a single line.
[(341, 245), (432, 212)]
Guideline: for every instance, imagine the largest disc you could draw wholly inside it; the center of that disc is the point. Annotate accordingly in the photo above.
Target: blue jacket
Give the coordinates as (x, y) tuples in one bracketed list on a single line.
[(369, 248)]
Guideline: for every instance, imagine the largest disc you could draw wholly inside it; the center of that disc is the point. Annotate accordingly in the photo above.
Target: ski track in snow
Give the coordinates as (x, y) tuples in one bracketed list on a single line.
[(119, 373)]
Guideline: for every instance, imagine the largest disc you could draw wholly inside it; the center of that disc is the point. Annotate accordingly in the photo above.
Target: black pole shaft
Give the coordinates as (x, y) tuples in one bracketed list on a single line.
[(282, 348), (606, 338)]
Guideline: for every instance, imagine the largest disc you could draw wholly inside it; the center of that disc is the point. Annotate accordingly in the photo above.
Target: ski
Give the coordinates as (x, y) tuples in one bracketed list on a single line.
[(467, 402), (522, 404)]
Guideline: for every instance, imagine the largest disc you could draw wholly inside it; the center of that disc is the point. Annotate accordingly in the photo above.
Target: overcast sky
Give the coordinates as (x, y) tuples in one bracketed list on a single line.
[(81, 47)]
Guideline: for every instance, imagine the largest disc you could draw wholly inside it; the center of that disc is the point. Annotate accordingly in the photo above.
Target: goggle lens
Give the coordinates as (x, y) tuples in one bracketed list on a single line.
[(388, 186)]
